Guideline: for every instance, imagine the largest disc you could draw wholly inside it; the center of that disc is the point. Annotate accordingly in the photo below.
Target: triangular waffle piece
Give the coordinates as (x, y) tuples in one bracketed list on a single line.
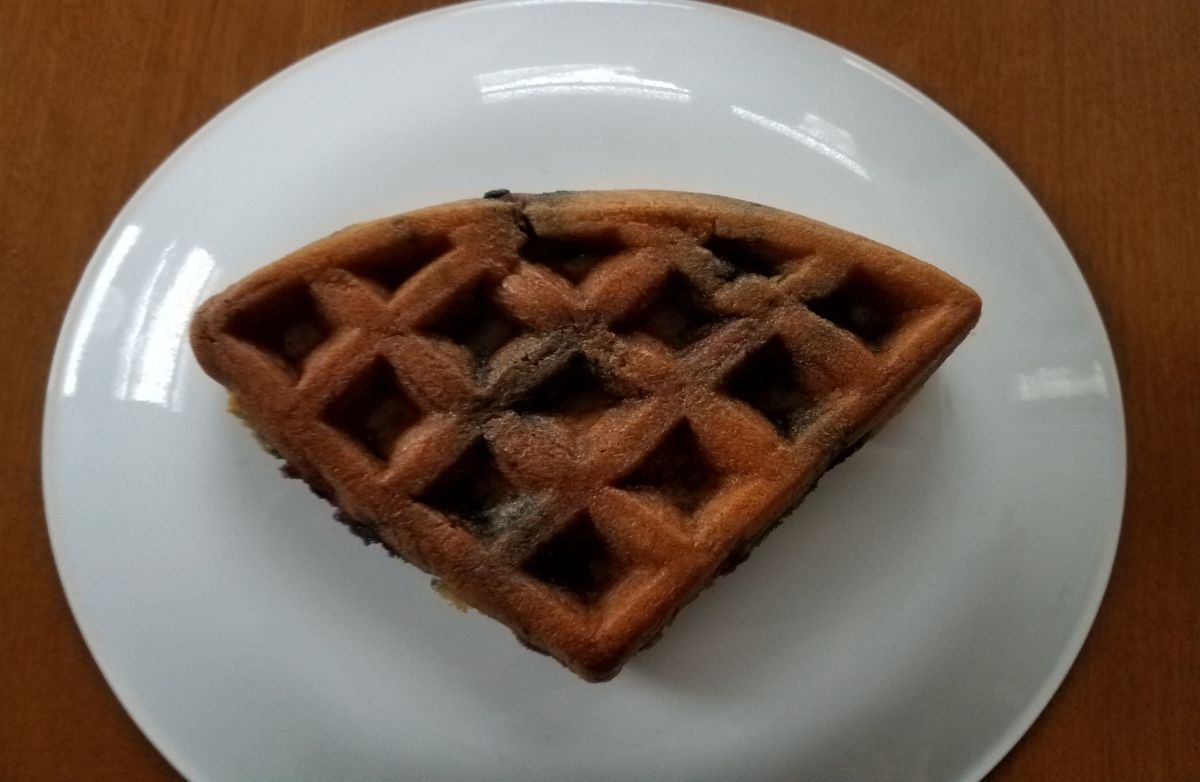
[(576, 409)]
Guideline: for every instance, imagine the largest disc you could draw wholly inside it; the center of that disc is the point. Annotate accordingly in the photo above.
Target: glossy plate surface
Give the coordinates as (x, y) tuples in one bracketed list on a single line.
[(908, 622)]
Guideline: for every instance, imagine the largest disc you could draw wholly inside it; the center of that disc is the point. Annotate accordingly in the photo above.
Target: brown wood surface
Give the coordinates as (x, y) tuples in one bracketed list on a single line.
[(1094, 103)]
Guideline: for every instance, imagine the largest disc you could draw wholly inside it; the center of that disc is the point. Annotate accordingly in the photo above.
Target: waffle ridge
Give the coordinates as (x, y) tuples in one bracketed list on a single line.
[(576, 409)]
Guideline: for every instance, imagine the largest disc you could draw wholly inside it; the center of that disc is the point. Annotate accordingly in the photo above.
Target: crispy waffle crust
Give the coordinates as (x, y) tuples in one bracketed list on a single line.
[(575, 409)]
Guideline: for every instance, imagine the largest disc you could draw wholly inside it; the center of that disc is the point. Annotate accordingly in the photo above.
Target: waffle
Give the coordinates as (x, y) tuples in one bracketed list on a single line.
[(577, 409)]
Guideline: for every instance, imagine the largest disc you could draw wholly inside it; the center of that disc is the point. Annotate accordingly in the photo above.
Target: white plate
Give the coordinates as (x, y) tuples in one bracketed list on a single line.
[(908, 623)]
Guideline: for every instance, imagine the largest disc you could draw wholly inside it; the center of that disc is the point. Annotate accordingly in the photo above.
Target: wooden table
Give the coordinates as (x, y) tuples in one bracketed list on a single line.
[(1094, 104)]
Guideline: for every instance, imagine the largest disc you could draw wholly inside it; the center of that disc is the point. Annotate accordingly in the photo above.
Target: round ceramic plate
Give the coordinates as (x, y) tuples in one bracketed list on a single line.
[(907, 622)]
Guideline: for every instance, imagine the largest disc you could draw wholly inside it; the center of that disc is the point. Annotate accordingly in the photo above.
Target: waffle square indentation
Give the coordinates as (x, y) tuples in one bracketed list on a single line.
[(676, 470), (770, 381), (473, 492), (287, 324), (678, 315), (373, 410), (576, 560)]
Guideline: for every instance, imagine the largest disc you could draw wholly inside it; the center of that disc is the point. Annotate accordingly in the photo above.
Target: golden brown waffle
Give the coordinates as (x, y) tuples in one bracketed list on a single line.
[(577, 409)]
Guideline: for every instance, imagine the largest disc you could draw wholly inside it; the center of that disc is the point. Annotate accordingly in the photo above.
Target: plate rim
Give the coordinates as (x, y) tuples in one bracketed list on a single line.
[(1001, 745)]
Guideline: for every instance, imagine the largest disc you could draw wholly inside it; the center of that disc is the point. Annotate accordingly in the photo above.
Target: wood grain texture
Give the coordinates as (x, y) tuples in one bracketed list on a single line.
[(1095, 104)]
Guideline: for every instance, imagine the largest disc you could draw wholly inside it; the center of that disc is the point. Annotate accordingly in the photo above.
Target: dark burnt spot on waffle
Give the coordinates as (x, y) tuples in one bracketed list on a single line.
[(770, 381), (286, 324), (577, 389), (475, 321), (678, 315), (499, 192), (473, 492), (849, 451), (315, 484), (860, 306), (373, 410), (677, 470), (571, 258), (392, 266), (576, 560), (364, 532), (738, 257)]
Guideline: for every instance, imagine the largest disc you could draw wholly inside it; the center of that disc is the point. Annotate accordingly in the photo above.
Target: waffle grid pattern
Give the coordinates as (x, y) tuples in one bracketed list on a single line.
[(571, 418)]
